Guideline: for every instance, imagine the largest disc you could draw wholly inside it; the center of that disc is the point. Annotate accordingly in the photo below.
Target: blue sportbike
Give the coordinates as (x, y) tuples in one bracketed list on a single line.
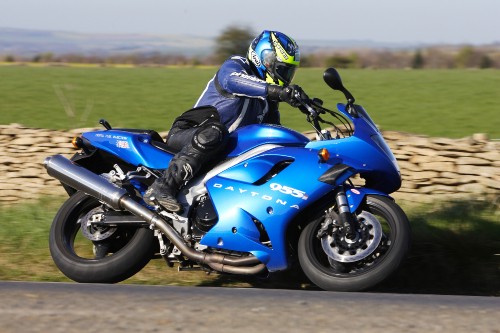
[(274, 199)]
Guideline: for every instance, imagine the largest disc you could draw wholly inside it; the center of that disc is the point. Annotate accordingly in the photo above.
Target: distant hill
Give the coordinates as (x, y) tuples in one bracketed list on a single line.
[(31, 42), (28, 43)]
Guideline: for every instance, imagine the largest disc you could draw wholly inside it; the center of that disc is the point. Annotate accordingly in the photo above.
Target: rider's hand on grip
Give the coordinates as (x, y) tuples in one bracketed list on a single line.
[(291, 94), (297, 95)]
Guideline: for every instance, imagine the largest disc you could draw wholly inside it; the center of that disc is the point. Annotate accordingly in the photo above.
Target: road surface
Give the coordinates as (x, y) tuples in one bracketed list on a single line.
[(71, 307)]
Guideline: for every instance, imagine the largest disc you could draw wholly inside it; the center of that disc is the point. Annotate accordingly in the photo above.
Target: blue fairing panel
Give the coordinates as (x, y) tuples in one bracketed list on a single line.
[(248, 137), (134, 148), (273, 201), (254, 169)]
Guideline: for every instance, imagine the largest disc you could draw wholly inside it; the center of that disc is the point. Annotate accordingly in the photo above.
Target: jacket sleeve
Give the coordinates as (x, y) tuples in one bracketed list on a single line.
[(273, 115), (234, 78)]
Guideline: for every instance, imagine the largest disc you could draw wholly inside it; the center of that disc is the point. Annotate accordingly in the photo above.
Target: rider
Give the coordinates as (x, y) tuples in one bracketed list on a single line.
[(244, 91)]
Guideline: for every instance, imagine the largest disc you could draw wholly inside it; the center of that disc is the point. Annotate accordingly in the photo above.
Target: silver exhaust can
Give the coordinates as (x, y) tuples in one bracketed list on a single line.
[(84, 180)]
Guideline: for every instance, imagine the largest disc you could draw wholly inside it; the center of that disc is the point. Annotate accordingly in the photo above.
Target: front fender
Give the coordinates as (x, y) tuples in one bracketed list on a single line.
[(356, 195)]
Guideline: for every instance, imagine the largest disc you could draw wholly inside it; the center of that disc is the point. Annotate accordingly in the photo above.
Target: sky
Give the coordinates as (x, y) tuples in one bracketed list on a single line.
[(393, 21)]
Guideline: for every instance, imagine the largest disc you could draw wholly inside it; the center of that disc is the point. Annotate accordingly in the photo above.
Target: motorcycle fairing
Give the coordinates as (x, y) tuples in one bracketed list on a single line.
[(274, 203), (366, 152), (256, 168), (134, 148), (248, 137)]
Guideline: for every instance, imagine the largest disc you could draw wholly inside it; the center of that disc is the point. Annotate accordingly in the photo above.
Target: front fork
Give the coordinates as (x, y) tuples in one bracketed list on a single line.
[(347, 219)]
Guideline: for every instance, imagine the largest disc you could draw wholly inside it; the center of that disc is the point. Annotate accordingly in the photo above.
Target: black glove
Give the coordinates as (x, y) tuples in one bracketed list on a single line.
[(289, 94)]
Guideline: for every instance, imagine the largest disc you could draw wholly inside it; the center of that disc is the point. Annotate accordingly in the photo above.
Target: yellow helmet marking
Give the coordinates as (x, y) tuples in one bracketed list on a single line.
[(281, 53)]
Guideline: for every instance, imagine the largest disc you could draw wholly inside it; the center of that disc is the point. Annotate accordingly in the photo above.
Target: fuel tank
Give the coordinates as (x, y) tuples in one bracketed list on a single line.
[(248, 137)]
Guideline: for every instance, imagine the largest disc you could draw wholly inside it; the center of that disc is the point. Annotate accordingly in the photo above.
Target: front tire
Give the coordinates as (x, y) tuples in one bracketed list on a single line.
[(105, 255), (335, 275)]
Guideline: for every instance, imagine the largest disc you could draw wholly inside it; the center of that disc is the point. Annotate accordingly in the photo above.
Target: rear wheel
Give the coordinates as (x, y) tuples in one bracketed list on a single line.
[(334, 262), (88, 253)]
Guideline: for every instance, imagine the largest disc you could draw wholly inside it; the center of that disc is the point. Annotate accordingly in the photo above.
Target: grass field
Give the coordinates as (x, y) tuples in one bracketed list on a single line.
[(449, 103)]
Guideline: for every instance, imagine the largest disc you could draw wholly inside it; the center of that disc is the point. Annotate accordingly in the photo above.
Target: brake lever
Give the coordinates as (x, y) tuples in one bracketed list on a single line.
[(309, 109)]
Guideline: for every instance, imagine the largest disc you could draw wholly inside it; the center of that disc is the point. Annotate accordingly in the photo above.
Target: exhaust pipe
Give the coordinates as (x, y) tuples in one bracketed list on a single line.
[(94, 185)]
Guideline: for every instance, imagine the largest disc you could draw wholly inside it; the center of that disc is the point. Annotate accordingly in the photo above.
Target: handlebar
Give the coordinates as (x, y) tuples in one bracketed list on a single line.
[(306, 104), (314, 107)]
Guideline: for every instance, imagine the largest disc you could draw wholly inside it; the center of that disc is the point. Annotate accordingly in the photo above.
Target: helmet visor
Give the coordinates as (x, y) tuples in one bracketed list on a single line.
[(285, 72)]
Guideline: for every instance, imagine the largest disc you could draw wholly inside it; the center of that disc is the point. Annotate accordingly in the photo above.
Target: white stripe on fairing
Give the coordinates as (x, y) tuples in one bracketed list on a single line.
[(197, 185)]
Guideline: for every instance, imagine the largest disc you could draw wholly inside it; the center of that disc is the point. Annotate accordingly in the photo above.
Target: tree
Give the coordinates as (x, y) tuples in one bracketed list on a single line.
[(485, 62), (338, 61), (343, 61), (233, 40), (418, 60), (465, 57), (10, 58), (43, 57)]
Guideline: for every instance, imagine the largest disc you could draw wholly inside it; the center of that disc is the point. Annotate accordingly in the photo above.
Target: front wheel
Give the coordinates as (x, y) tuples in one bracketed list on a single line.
[(336, 263), (89, 253)]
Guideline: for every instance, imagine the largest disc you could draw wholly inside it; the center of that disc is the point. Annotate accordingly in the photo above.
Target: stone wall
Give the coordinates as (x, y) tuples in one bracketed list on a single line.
[(432, 168), (441, 168)]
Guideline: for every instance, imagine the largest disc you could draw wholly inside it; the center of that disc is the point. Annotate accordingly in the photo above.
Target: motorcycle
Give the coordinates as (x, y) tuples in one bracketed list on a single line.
[(275, 199)]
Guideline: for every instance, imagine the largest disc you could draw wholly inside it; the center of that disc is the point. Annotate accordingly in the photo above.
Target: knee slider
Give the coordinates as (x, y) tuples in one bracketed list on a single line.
[(209, 137)]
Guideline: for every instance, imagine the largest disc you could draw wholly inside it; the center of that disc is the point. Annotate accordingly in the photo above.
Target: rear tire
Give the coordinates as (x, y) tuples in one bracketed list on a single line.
[(128, 250), (366, 273)]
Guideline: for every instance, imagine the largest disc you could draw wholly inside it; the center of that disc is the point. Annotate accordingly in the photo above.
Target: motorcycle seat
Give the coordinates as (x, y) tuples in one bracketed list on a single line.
[(163, 146), (156, 139)]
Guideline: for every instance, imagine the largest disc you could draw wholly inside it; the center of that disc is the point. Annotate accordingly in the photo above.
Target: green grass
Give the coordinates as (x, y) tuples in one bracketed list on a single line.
[(449, 103), (455, 250), (24, 243), (128, 97)]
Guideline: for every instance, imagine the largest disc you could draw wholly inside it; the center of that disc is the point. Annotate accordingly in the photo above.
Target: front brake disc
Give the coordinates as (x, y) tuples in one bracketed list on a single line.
[(368, 236)]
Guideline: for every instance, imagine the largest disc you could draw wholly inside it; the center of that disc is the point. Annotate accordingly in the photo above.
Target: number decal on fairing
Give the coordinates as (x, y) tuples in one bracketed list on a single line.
[(288, 190)]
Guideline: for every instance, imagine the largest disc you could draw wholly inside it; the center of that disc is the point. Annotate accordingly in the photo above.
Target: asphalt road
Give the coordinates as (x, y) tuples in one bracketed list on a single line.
[(71, 307)]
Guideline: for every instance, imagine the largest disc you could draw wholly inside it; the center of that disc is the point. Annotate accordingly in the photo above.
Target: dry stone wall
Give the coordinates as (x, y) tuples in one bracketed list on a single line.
[(442, 168), (432, 168)]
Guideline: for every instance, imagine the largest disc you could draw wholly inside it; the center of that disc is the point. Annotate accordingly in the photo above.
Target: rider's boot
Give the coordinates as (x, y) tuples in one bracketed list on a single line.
[(181, 169), (164, 190)]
